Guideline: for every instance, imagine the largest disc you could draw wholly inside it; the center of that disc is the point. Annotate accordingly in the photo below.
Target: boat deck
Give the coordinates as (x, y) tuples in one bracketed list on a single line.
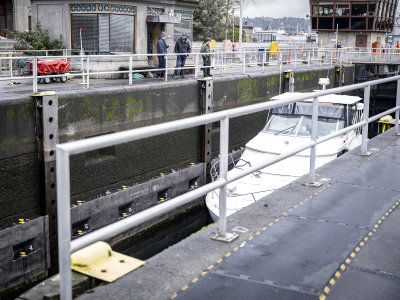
[(338, 241)]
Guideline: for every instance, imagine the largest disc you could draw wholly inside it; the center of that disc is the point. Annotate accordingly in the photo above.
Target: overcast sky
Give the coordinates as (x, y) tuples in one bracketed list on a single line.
[(277, 8)]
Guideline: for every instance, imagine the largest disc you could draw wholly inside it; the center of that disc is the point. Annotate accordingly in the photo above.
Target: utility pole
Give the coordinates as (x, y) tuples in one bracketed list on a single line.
[(241, 25)]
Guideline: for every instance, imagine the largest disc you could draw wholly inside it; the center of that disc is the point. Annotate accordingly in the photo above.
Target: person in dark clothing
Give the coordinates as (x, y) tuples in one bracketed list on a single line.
[(161, 49), (205, 50), (182, 46)]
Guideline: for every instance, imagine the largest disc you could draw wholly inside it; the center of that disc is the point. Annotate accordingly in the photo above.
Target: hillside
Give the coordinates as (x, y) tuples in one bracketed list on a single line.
[(289, 24)]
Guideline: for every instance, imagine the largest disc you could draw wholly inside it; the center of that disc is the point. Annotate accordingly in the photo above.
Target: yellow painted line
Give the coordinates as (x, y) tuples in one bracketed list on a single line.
[(270, 224), (343, 267), (204, 273), (322, 297), (264, 228), (357, 249), (332, 282), (362, 244), (210, 267), (327, 290), (219, 261), (235, 249), (337, 274), (277, 220), (352, 255), (185, 288), (348, 261), (174, 296), (243, 244), (228, 254), (258, 233), (251, 238)]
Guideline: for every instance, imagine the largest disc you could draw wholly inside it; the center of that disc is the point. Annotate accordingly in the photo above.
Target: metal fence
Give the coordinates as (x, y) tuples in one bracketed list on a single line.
[(64, 151), (223, 63)]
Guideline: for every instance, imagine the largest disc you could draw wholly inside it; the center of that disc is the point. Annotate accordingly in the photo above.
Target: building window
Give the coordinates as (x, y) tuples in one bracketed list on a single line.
[(371, 9), (314, 10), (326, 8), (342, 23), (185, 26), (342, 9), (325, 23), (358, 23), (104, 28), (359, 9)]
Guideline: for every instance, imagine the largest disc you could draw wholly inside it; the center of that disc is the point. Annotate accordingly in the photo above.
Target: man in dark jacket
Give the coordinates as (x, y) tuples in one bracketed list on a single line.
[(161, 49), (182, 46)]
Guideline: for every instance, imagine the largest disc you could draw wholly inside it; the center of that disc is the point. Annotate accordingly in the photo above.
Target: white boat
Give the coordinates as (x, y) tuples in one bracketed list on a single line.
[(289, 127)]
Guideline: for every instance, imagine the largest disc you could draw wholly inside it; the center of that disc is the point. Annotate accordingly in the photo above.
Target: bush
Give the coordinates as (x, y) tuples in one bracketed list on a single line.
[(37, 39)]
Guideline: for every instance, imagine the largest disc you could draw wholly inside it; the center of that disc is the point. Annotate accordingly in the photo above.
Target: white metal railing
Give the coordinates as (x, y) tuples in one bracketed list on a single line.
[(64, 151), (245, 62)]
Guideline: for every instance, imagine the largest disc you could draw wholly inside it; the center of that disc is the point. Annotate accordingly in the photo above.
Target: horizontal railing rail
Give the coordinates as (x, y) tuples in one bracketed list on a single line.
[(64, 151), (244, 62)]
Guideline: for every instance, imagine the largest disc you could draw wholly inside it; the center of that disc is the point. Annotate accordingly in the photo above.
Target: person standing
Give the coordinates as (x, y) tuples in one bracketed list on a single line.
[(161, 49), (205, 49), (181, 46)]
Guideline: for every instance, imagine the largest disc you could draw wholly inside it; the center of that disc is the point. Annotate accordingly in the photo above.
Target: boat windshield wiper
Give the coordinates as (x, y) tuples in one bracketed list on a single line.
[(286, 129)]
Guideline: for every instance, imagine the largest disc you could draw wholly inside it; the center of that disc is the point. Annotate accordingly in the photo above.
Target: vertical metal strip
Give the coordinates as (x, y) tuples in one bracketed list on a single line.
[(223, 168), (314, 136), (47, 135), (397, 111), (364, 144)]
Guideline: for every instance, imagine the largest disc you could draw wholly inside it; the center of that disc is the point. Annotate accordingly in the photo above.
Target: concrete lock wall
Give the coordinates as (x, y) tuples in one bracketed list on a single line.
[(84, 114), (98, 176)]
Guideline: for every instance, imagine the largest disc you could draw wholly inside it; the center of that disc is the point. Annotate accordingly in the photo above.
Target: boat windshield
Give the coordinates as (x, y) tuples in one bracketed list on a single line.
[(301, 125)]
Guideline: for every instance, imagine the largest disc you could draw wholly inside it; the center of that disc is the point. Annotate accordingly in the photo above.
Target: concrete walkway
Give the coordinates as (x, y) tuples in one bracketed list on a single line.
[(339, 241)]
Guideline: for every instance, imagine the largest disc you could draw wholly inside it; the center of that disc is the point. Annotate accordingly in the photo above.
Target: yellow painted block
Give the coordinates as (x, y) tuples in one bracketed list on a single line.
[(348, 261), (366, 239), (322, 297), (357, 249), (210, 267), (194, 280), (327, 290), (352, 255), (185, 288), (174, 295), (99, 261), (228, 254), (343, 267), (332, 282), (337, 274), (362, 244), (219, 261)]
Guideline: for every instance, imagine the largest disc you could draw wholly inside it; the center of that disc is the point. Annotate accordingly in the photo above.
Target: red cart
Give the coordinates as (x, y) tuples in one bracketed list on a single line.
[(52, 67)]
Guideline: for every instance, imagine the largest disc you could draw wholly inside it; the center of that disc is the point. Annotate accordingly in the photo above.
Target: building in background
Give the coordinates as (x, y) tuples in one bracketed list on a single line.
[(114, 26), (14, 15), (357, 23)]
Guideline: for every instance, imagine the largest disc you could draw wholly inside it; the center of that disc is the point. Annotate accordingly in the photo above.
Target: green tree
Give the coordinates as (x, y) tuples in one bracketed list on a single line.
[(208, 20), (37, 39), (229, 35)]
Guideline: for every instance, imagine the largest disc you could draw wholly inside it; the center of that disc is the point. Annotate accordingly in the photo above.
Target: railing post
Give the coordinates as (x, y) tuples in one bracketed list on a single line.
[(64, 223), (166, 67), (222, 64), (264, 58), (396, 126), (34, 71), (313, 150), (196, 65), (308, 57), (87, 71), (130, 69), (244, 63), (364, 144), (223, 172)]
